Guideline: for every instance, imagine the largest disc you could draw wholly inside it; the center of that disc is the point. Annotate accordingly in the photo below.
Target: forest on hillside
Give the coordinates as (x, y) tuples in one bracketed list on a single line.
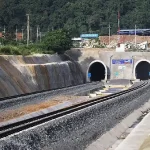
[(79, 16)]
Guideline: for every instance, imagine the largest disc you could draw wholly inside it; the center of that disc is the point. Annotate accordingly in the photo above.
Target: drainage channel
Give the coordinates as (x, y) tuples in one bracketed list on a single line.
[(128, 131)]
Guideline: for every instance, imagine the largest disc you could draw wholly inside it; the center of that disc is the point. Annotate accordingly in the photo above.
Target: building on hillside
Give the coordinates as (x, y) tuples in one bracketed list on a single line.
[(77, 42), (142, 42), (86, 41), (1, 35), (19, 36), (89, 36), (123, 39), (89, 40), (140, 32)]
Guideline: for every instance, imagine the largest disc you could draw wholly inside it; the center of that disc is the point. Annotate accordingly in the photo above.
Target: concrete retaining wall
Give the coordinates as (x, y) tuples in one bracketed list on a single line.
[(21, 75)]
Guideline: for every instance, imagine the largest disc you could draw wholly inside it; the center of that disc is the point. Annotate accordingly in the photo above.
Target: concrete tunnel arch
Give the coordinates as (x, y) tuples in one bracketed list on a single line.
[(98, 71), (142, 69)]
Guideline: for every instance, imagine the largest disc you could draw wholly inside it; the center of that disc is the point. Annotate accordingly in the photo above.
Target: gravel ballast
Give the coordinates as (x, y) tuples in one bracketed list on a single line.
[(79, 129), (14, 103)]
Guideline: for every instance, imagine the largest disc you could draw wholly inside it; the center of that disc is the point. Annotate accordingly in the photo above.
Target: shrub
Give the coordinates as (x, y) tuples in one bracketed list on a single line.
[(59, 41), (5, 50), (24, 50)]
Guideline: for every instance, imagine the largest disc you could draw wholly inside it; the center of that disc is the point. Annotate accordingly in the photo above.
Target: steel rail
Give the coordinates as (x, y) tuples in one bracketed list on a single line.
[(45, 91), (28, 123)]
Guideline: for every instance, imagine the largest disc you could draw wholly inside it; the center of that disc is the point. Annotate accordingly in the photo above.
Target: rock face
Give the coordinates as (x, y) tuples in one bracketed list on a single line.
[(21, 75)]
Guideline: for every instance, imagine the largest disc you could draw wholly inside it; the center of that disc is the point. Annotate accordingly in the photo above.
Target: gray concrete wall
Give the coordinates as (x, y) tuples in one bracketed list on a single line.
[(27, 74), (86, 57), (20, 74)]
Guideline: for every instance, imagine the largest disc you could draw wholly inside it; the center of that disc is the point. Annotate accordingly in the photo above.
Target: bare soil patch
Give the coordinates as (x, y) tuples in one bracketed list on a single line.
[(11, 114)]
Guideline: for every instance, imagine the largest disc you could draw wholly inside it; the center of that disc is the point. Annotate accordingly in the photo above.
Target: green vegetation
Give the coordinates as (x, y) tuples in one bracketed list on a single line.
[(18, 50), (56, 41), (79, 16), (23, 50)]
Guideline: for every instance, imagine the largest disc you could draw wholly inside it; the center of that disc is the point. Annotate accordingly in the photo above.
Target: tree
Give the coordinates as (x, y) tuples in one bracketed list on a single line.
[(81, 16), (58, 41)]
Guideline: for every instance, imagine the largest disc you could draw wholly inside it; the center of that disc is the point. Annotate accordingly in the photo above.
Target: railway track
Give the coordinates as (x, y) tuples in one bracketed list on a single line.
[(50, 91), (28, 123), (33, 98)]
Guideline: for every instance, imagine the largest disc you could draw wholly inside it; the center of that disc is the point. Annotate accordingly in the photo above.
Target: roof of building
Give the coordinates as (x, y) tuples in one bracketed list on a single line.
[(132, 31)]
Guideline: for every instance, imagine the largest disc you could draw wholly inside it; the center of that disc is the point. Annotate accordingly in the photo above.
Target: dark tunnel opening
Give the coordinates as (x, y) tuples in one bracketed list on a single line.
[(97, 71), (142, 70)]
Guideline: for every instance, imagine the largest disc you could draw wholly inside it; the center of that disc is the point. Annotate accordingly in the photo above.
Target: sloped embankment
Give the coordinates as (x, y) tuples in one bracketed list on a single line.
[(27, 74)]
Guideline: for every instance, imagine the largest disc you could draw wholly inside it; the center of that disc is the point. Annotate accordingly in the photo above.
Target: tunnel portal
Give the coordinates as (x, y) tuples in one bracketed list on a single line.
[(142, 70), (97, 71)]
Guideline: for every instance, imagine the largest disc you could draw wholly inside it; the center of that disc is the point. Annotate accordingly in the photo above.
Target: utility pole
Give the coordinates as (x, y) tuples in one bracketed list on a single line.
[(28, 29), (109, 33), (52, 28), (48, 29), (135, 36), (16, 34), (30, 34), (22, 33), (4, 30), (37, 33), (40, 36), (118, 28)]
